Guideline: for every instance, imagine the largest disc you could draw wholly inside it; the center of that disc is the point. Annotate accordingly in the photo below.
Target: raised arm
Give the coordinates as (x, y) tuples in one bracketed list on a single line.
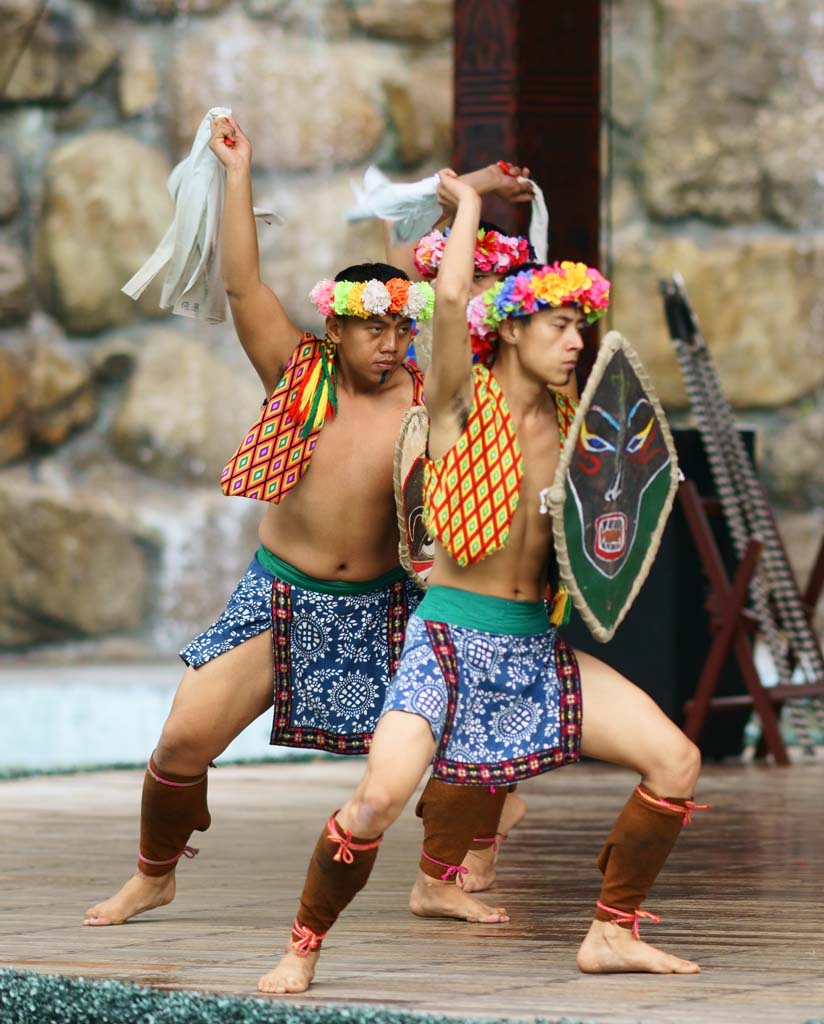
[(488, 180), (449, 377), (265, 331)]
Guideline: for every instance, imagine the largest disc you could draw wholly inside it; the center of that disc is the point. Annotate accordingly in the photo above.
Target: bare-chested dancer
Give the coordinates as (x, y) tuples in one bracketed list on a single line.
[(333, 536), (471, 677)]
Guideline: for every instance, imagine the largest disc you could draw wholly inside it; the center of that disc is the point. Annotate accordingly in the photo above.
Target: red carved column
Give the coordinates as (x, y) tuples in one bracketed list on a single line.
[(527, 89)]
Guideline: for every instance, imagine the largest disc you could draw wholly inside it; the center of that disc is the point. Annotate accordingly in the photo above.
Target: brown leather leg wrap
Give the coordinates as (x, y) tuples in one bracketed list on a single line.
[(337, 873), (635, 851), (168, 816), (452, 817), (487, 828)]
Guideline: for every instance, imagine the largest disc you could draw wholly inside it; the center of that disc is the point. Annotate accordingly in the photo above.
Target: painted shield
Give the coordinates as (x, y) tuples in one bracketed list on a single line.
[(416, 548), (614, 488)]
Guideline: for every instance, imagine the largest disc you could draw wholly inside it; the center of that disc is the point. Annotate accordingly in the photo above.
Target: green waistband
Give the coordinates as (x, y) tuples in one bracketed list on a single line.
[(480, 611), (289, 574)]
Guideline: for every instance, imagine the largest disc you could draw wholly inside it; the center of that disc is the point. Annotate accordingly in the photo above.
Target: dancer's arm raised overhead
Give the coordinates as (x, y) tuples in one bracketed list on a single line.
[(488, 180), (449, 377), (267, 334)]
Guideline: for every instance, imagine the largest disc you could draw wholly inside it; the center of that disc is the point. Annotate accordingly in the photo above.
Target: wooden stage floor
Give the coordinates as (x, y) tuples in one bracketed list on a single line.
[(743, 894)]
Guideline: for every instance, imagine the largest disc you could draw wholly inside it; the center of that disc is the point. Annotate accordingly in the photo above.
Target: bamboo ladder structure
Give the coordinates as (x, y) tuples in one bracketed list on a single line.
[(763, 597)]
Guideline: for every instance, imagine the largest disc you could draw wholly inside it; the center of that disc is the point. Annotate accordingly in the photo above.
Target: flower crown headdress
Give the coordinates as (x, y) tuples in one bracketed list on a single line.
[(495, 253), (530, 291), (374, 298)]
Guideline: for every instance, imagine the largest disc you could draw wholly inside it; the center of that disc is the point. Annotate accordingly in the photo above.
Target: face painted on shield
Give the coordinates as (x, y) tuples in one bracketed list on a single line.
[(620, 452)]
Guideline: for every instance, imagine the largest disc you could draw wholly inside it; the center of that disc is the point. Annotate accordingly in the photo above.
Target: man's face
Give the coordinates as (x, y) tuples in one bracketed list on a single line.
[(482, 280), (550, 343), (373, 348)]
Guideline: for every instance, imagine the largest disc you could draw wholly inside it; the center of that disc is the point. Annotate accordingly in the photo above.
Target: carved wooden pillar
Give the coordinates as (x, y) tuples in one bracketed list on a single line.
[(527, 80)]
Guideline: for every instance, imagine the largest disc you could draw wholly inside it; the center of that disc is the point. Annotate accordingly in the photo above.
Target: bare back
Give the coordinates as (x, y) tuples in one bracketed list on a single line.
[(339, 521)]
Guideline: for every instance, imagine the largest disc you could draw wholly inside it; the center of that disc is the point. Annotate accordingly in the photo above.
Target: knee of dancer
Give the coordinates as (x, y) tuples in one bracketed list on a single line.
[(181, 749), (374, 810), (679, 775)]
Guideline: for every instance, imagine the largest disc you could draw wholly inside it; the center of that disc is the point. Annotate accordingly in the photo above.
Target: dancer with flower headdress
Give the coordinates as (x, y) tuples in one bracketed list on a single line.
[(494, 444), (316, 624)]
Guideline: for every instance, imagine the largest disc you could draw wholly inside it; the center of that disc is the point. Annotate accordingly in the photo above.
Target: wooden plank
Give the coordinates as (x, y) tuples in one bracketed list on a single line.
[(741, 894)]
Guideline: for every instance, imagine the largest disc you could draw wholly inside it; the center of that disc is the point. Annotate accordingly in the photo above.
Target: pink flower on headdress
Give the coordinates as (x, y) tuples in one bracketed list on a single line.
[(475, 313), (522, 294), (322, 295), (429, 253), (599, 290)]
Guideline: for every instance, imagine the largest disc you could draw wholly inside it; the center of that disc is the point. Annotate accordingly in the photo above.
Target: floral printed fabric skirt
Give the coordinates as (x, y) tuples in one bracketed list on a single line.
[(502, 708), (334, 654)]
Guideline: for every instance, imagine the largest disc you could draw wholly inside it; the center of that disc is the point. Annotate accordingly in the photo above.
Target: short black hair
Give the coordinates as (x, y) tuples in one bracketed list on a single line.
[(371, 272), (531, 265), (487, 225)]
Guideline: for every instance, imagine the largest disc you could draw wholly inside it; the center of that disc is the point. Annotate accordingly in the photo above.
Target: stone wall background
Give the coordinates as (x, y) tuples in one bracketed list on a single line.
[(115, 541)]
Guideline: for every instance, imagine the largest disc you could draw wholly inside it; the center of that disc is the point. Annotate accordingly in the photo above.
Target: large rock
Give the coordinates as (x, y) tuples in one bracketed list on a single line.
[(13, 433), (303, 106), (794, 463), (138, 83), (414, 20), (105, 207), (15, 285), (67, 569), (420, 103), (760, 304), (65, 54), (60, 394), (185, 411), (735, 129), (326, 19), (9, 187), (172, 8)]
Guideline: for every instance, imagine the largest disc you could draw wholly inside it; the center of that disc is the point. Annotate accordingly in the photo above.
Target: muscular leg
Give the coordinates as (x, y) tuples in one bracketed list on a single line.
[(402, 749), (622, 725), (211, 707)]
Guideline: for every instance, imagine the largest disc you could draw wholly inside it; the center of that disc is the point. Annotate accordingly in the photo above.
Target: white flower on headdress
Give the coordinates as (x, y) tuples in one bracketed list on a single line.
[(415, 302), (376, 297)]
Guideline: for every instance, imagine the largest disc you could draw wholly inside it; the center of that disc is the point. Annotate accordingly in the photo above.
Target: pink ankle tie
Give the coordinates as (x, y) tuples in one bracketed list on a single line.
[(345, 844), (489, 840), (686, 809), (627, 916), (451, 869), (187, 851), (304, 940)]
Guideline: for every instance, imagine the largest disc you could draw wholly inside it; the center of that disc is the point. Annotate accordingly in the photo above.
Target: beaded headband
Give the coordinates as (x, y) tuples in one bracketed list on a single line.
[(374, 298), (495, 253)]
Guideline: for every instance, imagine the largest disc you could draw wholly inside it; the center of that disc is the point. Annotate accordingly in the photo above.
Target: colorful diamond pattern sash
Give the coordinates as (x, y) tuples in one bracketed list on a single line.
[(472, 492), (273, 456)]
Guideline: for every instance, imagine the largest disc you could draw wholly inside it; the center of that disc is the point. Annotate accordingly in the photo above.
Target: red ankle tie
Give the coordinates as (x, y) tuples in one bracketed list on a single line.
[(304, 940), (176, 785), (451, 869), (187, 851), (345, 844), (625, 916)]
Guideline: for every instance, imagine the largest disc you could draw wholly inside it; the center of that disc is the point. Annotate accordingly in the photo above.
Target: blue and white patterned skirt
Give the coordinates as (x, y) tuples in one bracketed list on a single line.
[(502, 708), (334, 654)]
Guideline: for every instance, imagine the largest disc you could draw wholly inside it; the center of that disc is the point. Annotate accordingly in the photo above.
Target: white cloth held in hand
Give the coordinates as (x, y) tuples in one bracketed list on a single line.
[(414, 208), (190, 249)]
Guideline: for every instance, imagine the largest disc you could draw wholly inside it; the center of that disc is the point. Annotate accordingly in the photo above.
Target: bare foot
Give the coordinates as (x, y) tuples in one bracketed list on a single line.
[(139, 894), (609, 949), (293, 974), (482, 864), (432, 898)]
